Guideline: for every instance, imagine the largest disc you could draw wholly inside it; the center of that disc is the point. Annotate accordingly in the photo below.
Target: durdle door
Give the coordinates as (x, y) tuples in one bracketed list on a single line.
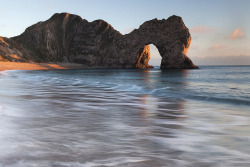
[(69, 38)]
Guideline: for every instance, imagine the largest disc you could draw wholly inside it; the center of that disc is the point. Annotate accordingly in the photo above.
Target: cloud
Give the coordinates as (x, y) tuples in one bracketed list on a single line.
[(222, 60), (194, 47), (238, 33), (202, 29), (217, 46)]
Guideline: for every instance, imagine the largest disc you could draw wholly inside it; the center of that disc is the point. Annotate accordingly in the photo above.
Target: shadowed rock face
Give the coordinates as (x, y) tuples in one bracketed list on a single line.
[(69, 38)]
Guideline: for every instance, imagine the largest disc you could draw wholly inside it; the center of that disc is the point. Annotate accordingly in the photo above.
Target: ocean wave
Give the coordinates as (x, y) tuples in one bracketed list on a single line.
[(155, 90), (134, 88), (83, 118), (6, 72), (115, 161), (233, 101)]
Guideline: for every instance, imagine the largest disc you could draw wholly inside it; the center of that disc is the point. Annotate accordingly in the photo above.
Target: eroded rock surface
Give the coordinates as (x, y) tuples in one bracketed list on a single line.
[(69, 38)]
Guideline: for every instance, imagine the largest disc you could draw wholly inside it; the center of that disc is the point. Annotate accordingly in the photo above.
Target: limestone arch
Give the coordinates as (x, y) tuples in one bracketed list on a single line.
[(144, 56), (171, 37)]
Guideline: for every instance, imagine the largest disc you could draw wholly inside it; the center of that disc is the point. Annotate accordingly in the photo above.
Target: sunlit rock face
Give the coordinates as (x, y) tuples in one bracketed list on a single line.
[(143, 58), (69, 38)]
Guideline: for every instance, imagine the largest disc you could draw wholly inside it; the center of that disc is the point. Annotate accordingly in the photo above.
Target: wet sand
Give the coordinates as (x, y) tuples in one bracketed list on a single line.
[(38, 66)]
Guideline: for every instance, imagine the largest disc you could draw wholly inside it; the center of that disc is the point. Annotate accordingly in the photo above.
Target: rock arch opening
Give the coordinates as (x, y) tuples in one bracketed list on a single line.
[(148, 57), (155, 58)]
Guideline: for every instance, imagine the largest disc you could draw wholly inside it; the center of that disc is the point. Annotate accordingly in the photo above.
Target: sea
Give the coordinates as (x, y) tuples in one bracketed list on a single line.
[(125, 118)]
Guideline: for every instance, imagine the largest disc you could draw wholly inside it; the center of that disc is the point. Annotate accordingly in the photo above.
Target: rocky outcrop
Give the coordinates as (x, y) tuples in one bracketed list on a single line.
[(143, 58), (69, 38)]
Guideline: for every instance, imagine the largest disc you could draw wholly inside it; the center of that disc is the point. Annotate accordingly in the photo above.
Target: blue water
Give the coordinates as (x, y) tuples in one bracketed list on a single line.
[(137, 118)]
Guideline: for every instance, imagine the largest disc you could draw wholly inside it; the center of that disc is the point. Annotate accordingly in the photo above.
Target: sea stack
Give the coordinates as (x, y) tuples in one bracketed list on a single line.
[(69, 38)]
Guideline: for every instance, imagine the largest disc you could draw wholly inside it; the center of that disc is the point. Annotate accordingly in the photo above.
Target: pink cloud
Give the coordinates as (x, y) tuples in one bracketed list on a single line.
[(194, 47), (217, 46), (202, 29), (222, 60), (238, 33)]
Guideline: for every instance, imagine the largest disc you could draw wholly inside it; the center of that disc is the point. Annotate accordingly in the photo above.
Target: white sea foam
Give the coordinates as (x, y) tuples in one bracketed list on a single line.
[(155, 90), (134, 88), (7, 72), (10, 71)]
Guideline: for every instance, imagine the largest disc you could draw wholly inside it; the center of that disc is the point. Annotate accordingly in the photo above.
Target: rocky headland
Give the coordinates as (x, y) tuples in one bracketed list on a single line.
[(67, 38)]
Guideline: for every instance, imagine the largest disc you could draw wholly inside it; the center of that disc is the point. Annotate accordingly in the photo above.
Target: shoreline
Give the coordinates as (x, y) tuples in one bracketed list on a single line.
[(38, 66)]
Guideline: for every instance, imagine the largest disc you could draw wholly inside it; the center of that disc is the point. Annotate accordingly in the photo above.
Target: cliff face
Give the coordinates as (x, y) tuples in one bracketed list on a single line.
[(69, 38)]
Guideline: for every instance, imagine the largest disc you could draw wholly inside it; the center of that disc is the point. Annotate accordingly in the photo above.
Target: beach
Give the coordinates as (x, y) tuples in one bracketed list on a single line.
[(38, 66)]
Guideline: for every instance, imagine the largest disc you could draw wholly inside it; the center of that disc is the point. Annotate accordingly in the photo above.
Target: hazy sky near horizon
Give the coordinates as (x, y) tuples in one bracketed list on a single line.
[(220, 29)]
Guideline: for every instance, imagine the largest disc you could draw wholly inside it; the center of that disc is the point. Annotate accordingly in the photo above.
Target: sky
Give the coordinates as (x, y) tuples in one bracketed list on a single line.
[(220, 29)]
